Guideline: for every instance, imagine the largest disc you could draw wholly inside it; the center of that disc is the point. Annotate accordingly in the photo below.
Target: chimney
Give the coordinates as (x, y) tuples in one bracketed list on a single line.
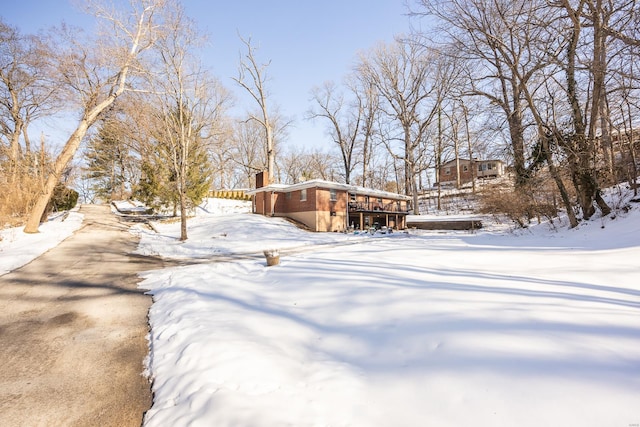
[(262, 179)]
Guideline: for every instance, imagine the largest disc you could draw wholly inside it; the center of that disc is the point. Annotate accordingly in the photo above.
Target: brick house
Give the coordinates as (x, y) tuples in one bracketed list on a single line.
[(470, 169), (330, 206)]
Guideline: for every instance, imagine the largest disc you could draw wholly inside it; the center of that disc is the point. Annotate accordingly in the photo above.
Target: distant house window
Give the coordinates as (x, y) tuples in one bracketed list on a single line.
[(447, 171), (333, 195), (491, 166), (303, 195), (352, 196)]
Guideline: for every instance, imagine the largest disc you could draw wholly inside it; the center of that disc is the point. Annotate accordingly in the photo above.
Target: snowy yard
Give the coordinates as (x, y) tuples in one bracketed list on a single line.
[(486, 329), (535, 328)]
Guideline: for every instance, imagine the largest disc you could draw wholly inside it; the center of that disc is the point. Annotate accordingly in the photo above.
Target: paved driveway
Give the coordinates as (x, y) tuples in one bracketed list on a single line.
[(73, 331)]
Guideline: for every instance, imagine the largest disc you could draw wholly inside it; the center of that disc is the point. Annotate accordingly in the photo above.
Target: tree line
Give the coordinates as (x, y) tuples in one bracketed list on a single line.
[(548, 85)]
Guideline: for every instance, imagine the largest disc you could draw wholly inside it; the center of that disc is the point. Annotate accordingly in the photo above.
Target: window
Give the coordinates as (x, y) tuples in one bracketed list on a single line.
[(447, 171), (303, 195), (333, 195), (288, 195), (352, 197), (491, 166), (465, 168)]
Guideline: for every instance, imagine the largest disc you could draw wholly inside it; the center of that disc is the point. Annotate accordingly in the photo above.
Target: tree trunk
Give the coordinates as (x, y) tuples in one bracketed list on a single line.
[(606, 143), (69, 150), (573, 221), (14, 152), (580, 145), (365, 161), (183, 212), (457, 155), (517, 144), (271, 153), (59, 166), (470, 148)]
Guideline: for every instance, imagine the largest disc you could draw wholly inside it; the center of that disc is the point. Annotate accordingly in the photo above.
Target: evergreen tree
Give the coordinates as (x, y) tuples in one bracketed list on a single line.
[(109, 163), (159, 184)]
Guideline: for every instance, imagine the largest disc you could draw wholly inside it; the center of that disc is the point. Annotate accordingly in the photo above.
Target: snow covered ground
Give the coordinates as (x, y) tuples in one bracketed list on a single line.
[(444, 329), (18, 248), (533, 328)]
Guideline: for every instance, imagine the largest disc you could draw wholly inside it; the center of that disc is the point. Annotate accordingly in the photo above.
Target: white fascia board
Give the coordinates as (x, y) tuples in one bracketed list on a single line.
[(319, 183)]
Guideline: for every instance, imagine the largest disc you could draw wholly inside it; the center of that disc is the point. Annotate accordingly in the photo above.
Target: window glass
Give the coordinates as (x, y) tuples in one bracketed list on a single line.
[(333, 195), (303, 195)]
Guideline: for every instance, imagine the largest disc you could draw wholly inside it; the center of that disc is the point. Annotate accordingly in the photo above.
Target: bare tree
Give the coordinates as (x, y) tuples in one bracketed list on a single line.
[(500, 39), (97, 74), (350, 122), (367, 100), (248, 151), (579, 142), (300, 165), (400, 73), (293, 166), (26, 91), (190, 105), (252, 77)]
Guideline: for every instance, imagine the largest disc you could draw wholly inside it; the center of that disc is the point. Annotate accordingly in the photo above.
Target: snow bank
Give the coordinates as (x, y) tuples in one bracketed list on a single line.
[(18, 248)]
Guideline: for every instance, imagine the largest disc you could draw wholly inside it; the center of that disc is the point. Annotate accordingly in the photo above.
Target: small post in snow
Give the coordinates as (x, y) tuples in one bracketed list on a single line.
[(272, 256)]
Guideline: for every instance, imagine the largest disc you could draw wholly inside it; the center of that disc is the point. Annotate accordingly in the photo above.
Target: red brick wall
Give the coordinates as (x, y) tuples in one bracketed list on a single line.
[(262, 179), (290, 202), (263, 203), (324, 202), (465, 176)]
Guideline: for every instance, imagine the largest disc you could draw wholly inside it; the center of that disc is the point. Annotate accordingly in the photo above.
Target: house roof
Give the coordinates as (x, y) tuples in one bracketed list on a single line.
[(319, 183), (467, 161)]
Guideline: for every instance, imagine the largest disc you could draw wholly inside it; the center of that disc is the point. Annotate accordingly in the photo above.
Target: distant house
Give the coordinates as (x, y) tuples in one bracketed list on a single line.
[(330, 206), (470, 169)]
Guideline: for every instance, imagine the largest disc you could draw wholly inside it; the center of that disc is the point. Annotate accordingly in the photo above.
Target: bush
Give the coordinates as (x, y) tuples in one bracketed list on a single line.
[(521, 206), (17, 199), (63, 199)]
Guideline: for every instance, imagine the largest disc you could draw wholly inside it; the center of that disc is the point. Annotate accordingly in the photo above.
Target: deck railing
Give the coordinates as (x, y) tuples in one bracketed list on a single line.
[(379, 207)]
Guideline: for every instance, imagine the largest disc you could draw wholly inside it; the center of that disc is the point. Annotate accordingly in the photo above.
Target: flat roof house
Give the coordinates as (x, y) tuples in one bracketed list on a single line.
[(330, 206)]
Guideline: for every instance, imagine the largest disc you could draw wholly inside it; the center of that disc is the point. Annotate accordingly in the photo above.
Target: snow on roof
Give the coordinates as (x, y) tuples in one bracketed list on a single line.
[(475, 160), (330, 185)]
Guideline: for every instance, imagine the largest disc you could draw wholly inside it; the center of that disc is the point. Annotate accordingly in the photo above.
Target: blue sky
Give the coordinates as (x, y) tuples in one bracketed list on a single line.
[(307, 42)]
